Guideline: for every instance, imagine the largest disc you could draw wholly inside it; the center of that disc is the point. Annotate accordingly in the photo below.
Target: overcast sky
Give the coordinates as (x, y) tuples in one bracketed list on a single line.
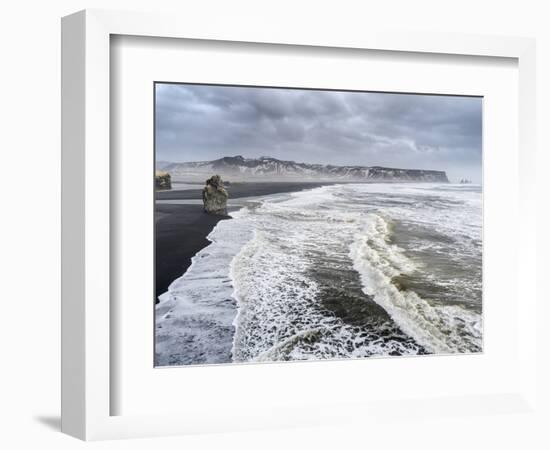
[(198, 123)]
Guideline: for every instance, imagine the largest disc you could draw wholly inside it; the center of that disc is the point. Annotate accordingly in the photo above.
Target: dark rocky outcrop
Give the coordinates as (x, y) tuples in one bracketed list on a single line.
[(163, 181), (214, 196)]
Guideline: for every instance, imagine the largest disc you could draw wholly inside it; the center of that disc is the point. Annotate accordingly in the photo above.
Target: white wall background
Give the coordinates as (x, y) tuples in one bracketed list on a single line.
[(29, 237)]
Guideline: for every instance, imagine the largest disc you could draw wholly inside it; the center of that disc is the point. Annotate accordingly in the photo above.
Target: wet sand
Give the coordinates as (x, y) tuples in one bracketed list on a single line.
[(181, 229), (238, 190), (180, 232)]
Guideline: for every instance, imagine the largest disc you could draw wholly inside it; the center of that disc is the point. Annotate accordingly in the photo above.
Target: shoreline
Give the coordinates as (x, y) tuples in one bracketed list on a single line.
[(244, 189), (327, 281), (181, 227), (180, 233)]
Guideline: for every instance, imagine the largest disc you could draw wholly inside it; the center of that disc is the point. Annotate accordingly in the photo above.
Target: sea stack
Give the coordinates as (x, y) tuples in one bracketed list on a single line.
[(214, 196), (163, 181)]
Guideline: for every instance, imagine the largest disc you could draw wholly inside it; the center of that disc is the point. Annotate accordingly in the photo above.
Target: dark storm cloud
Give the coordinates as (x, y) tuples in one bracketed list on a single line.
[(195, 122)]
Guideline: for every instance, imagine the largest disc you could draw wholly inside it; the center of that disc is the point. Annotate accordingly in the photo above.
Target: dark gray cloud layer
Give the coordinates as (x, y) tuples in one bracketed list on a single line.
[(196, 122)]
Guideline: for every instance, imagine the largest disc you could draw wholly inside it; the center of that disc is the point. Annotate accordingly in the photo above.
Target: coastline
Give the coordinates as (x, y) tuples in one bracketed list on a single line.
[(181, 229), (244, 189), (180, 233), (344, 290)]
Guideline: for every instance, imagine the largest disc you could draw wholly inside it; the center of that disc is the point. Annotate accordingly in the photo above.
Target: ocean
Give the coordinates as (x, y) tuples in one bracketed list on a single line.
[(340, 271)]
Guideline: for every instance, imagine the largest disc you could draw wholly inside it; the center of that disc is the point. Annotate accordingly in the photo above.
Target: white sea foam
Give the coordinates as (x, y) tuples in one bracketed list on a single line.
[(280, 314), (259, 291), (194, 317), (441, 329), (280, 317)]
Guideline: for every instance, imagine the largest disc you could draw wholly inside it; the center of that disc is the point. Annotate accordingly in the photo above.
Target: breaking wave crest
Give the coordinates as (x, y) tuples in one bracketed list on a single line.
[(338, 271), (441, 329), (281, 282)]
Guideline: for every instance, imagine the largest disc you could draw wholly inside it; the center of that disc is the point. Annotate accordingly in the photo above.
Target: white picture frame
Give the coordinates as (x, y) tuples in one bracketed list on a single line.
[(87, 323)]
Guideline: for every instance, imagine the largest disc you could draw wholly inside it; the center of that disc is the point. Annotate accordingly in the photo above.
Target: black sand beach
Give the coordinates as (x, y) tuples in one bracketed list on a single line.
[(181, 230), (238, 190), (180, 233)]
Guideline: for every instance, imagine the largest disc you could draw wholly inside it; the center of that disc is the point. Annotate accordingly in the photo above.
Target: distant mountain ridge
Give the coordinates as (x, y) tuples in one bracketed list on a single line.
[(268, 168)]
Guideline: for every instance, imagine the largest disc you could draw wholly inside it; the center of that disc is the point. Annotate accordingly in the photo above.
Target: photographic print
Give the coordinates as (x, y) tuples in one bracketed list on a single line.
[(305, 224)]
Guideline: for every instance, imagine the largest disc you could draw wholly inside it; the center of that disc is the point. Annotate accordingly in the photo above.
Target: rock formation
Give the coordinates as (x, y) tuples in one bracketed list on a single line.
[(163, 180), (214, 196)]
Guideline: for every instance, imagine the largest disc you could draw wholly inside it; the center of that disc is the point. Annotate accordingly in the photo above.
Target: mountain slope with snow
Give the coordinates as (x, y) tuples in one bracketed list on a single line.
[(269, 169)]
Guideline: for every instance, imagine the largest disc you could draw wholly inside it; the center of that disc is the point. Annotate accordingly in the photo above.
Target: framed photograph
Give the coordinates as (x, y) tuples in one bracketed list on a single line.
[(321, 257), (278, 220)]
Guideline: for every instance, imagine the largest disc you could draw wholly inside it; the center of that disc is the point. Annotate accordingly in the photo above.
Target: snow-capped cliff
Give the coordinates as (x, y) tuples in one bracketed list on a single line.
[(267, 168)]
